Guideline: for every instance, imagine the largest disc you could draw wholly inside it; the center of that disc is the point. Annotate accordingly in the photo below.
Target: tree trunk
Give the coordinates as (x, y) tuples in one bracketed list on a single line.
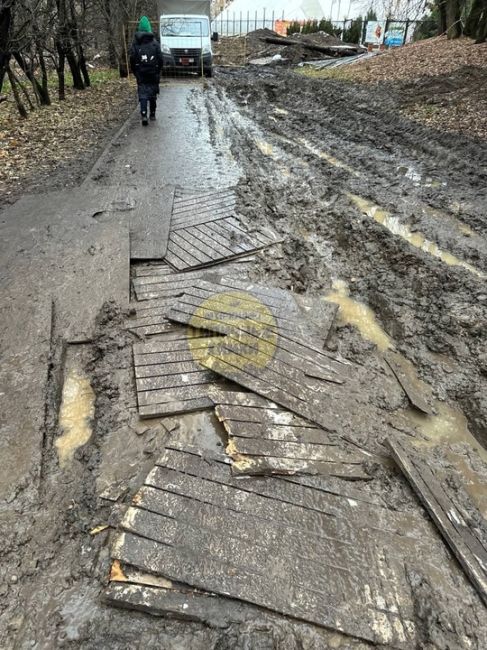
[(45, 77), (442, 22), (61, 73), (15, 90), (78, 83), (123, 62), (83, 67), (453, 16), (476, 25), (5, 24), (40, 92), (481, 35), (112, 50)]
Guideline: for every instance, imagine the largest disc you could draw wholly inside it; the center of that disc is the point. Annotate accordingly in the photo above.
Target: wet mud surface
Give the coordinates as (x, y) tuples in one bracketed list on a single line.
[(300, 151)]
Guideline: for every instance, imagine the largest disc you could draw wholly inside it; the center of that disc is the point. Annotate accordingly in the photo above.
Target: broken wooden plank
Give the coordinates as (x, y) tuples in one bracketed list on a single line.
[(198, 526), (419, 394), (150, 223), (269, 440), (341, 397), (180, 603), (469, 550)]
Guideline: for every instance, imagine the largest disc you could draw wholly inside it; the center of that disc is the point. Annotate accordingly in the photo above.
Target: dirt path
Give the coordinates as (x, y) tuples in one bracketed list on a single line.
[(358, 193)]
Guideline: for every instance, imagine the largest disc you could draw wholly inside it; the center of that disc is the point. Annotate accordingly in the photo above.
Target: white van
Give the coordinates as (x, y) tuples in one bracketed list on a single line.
[(186, 43)]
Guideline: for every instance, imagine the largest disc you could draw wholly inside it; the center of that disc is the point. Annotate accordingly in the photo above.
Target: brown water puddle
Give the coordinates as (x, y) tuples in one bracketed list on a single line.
[(359, 315), (416, 239), (75, 416), (446, 429)]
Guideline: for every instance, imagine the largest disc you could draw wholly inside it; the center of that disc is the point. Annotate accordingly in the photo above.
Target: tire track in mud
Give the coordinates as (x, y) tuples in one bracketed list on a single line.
[(435, 313), (373, 134)]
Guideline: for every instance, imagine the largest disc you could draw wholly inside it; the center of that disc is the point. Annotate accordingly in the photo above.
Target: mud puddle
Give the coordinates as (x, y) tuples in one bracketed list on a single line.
[(416, 239), (447, 429), (76, 412), (358, 315)]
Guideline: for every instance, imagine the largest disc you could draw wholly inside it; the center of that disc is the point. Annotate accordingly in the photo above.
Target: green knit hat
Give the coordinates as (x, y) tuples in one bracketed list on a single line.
[(144, 25)]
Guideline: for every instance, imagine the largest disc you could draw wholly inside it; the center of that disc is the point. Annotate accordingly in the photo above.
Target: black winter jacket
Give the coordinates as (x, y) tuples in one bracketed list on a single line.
[(146, 39)]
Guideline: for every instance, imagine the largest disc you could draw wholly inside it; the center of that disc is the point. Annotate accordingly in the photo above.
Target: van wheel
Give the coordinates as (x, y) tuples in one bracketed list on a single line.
[(208, 72)]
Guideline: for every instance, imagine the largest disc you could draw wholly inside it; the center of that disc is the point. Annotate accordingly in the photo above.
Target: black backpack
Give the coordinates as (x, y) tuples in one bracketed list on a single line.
[(147, 63)]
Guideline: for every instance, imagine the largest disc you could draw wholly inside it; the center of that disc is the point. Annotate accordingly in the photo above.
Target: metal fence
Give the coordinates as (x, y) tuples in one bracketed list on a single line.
[(228, 24)]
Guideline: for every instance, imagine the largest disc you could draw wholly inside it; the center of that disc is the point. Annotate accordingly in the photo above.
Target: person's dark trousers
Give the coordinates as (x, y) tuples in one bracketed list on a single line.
[(148, 97)]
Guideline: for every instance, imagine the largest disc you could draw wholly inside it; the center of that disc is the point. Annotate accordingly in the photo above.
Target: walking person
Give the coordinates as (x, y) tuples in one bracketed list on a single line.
[(146, 64)]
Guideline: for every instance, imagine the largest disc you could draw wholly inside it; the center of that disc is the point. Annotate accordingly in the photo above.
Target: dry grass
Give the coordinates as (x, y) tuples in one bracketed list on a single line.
[(442, 83), (432, 57), (53, 135)]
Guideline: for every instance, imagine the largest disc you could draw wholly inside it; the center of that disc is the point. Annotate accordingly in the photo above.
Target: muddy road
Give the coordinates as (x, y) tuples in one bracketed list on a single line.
[(380, 215), (389, 211)]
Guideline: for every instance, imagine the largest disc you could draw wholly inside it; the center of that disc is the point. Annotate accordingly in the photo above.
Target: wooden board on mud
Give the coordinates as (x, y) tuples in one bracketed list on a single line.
[(265, 439), (459, 527), (269, 542)]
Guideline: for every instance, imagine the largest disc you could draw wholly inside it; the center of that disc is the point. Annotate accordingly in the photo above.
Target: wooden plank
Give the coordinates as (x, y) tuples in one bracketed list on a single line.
[(220, 234), (175, 407), (220, 537), (293, 450), (207, 249), (186, 251), (179, 341), (150, 223), (179, 246), (209, 208), (174, 381), (187, 219), (449, 519), (268, 466), (227, 232), (419, 393), (211, 238), (174, 280), (180, 603), (265, 442)]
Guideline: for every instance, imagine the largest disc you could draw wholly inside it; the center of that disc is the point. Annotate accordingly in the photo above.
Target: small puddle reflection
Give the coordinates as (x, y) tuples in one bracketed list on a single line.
[(416, 239), (328, 157), (359, 315), (409, 172), (201, 429), (75, 416)]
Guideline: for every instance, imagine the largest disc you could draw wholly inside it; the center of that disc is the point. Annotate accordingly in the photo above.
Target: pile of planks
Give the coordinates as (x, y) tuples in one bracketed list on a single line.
[(296, 537)]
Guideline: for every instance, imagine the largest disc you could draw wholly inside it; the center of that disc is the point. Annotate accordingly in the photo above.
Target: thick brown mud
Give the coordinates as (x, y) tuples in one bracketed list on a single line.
[(394, 209)]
